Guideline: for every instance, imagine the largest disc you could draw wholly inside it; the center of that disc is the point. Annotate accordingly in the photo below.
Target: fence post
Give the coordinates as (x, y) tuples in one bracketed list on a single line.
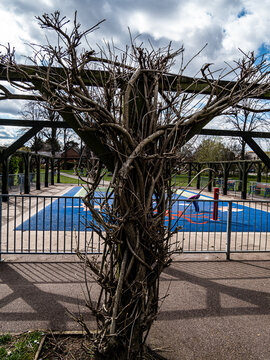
[(1, 228), (229, 230)]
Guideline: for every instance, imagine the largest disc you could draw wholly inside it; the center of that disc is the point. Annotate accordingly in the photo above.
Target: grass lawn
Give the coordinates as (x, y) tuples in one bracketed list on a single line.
[(54, 346), (19, 347), (68, 180), (180, 180)]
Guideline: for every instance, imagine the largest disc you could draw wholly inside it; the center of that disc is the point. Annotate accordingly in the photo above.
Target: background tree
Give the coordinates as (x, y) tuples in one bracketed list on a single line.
[(135, 117), (211, 150), (248, 115), (52, 135), (14, 165), (34, 110)]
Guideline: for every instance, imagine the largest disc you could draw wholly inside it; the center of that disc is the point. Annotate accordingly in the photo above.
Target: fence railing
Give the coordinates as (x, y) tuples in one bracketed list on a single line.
[(60, 225), (259, 189), (233, 185), (16, 182)]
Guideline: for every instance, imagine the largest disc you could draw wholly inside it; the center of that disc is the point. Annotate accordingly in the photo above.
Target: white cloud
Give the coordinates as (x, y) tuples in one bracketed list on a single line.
[(224, 25), (192, 23)]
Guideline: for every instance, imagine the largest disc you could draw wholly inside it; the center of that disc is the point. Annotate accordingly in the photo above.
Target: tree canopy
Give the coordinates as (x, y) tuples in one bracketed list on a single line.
[(211, 150)]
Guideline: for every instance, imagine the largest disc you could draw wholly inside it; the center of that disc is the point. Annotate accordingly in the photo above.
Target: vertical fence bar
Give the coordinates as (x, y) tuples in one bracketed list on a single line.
[(51, 222), (15, 223), (22, 226), (71, 229), (266, 237), (229, 230), (36, 240), (0, 227), (85, 232), (8, 204), (43, 227), (79, 223), (29, 225), (65, 222), (57, 237)]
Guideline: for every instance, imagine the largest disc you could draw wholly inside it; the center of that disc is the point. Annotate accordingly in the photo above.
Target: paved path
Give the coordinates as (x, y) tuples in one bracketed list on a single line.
[(215, 309)]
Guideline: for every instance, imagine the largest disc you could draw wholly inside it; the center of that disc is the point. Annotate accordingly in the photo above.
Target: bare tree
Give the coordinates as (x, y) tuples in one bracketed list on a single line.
[(248, 115), (38, 110), (32, 111), (135, 117)]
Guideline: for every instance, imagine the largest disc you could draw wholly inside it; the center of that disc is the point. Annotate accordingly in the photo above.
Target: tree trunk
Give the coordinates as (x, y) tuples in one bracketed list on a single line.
[(131, 295)]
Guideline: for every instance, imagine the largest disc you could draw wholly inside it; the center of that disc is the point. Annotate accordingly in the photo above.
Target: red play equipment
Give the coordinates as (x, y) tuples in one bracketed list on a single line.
[(215, 206)]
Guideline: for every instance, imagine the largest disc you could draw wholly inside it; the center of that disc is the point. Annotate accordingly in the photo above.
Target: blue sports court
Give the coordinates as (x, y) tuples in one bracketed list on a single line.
[(69, 213)]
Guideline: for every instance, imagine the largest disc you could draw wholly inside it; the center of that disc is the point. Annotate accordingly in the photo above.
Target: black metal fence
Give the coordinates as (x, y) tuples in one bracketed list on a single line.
[(16, 182), (60, 225)]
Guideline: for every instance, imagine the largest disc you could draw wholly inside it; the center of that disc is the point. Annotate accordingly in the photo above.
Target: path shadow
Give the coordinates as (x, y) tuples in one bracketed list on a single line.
[(215, 279), (41, 292)]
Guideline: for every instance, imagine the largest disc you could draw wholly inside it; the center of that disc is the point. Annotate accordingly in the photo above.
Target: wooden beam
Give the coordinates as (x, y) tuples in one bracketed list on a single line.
[(257, 149), (235, 133), (19, 143), (31, 123), (65, 125), (170, 82)]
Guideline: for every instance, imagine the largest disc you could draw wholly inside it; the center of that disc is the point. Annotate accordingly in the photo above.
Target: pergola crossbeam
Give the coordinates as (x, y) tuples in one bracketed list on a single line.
[(234, 133), (31, 123), (257, 149), (20, 142), (170, 82)]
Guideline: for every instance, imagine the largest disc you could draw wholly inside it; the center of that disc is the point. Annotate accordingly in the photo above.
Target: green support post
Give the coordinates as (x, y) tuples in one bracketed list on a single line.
[(5, 175), (46, 184), (259, 172), (210, 176), (189, 173), (244, 182), (198, 184), (38, 172), (58, 171), (26, 158), (240, 186), (52, 171), (225, 178)]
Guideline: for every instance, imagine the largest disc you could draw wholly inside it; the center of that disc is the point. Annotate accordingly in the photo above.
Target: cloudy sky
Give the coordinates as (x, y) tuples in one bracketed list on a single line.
[(224, 25)]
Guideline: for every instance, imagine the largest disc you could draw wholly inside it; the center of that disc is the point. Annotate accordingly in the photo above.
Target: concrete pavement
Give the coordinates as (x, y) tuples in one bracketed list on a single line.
[(214, 309)]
